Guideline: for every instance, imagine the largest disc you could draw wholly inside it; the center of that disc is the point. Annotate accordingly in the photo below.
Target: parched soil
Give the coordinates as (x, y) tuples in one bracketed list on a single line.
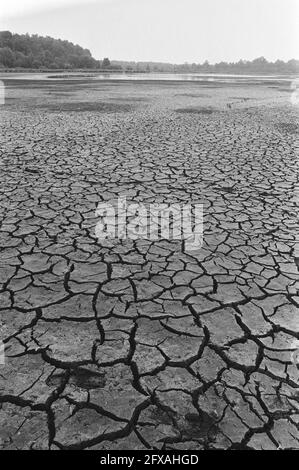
[(135, 344)]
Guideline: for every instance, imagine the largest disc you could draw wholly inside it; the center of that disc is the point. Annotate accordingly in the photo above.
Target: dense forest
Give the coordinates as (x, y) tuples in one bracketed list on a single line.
[(38, 52), (256, 66)]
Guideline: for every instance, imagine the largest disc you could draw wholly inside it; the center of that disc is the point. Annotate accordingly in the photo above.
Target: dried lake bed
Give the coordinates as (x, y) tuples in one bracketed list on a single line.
[(138, 344)]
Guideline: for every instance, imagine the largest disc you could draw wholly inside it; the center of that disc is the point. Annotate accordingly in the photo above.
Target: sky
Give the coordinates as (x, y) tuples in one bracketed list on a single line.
[(174, 31)]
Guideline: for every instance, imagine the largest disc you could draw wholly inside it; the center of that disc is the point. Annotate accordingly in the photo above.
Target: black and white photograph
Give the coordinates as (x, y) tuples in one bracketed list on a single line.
[(149, 237)]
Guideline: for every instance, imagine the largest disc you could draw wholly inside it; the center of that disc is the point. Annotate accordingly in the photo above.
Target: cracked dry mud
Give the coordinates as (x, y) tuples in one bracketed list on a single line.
[(138, 344)]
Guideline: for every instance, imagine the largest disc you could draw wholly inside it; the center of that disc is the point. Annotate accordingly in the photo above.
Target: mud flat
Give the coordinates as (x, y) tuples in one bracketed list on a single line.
[(138, 344)]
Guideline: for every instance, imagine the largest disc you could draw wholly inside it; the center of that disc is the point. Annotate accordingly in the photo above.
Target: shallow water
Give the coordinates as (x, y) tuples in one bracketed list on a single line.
[(224, 78)]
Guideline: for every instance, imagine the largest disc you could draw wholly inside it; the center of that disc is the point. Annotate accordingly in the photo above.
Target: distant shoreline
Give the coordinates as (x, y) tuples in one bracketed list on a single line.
[(66, 71), (92, 72)]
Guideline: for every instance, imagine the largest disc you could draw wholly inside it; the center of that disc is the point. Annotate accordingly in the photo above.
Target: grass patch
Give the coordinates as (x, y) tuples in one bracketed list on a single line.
[(194, 95), (88, 106), (288, 127), (201, 110)]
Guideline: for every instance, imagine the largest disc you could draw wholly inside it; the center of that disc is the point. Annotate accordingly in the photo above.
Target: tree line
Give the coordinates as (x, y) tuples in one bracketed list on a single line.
[(38, 52), (256, 66)]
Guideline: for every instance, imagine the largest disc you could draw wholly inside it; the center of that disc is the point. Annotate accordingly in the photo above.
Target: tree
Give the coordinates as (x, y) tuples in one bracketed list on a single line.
[(106, 62), (23, 50), (6, 57), (5, 38)]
